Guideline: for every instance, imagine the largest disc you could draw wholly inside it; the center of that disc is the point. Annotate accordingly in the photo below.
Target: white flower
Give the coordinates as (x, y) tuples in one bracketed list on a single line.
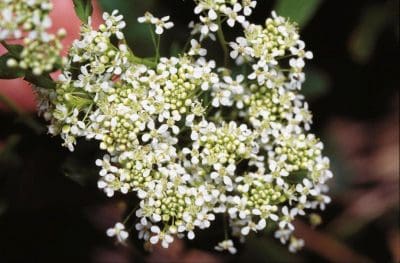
[(226, 245), (196, 49), (283, 235), (203, 219), (160, 23), (254, 227), (222, 97), (299, 50), (295, 244), (147, 18), (259, 73), (190, 139), (202, 6), (248, 5), (240, 50), (114, 23), (235, 85), (288, 217), (305, 189), (119, 232), (196, 28), (207, 26), (165, 238), (233, 15), (297, 63), (143, 227)]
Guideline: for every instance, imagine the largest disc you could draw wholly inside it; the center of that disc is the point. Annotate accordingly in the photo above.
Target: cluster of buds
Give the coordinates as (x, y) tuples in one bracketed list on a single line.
[(29, 21), (193, 140)]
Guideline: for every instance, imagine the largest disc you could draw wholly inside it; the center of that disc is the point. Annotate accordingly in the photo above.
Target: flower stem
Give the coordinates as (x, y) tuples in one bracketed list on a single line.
[(158, 48), (222, 41), (129, 215), (144, 61), (156, 43)]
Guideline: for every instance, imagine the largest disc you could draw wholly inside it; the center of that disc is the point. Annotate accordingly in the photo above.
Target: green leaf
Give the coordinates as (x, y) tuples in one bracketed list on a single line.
[(14, 50), (9, 73), (374, 19), (83, 9), (43, 81), (300, 11)]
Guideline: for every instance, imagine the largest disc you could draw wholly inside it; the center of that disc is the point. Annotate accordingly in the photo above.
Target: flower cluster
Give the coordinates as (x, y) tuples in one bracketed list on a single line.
[(213, 12), (29, 21), (193, 140)]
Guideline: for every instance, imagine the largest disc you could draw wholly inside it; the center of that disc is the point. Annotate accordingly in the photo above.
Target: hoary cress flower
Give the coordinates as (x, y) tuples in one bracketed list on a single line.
[(193, 140)]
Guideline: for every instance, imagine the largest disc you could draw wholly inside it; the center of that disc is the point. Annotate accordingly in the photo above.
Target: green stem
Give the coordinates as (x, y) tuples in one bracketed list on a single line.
[(222, 41), (88, 111), (137, 60), (158, 48), (186, 46), (129, 215), (144, 61), (156, 43)]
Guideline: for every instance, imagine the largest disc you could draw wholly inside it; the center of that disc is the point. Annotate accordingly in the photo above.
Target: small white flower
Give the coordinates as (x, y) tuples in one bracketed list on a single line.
[(147, 18), (283, 235), (295, 244), (196, 49), (233, 15), (240, 50), (165, 238), (288, 217), (143, 227), (207, 26), (248, 5), (226, 245), (160, 23), (235, 85), (119, 232)]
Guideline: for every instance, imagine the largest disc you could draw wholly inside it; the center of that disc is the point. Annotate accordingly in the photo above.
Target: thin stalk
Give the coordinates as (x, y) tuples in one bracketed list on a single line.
[(158, 48), (144, 61), (129, 215), (156, 43), (222, 41)]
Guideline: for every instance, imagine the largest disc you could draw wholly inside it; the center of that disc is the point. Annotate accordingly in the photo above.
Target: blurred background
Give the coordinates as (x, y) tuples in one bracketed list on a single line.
[(52, 211)]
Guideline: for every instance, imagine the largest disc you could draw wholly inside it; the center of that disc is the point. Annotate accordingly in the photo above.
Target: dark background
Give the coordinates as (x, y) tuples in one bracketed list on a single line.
[(52, 211)]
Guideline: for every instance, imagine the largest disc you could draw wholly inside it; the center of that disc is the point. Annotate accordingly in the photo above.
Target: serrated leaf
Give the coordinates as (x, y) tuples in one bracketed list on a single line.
[(9, 73), (83, 9), (300, 11)]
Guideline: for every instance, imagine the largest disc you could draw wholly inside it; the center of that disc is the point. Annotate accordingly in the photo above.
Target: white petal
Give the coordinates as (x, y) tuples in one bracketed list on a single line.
[(245, 230), (154, 239)]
